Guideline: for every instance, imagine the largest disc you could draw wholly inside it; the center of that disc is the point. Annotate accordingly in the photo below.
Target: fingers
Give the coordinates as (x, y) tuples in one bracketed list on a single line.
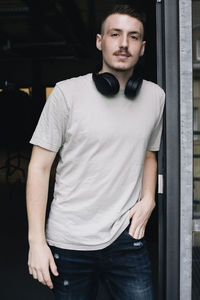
[(47, 280), (34, 272), (40, 262), (42, 276), (138, 233), (30, 271), (139, 218), (137, 230), (53, 267)]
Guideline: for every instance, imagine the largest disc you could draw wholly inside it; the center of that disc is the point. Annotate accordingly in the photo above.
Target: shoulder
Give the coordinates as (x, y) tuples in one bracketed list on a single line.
[(73, 89), (154, 89), (74, 83), (149, 85)]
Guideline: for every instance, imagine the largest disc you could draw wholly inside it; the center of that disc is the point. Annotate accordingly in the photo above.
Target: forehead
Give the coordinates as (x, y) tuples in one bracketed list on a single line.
[(123, 22)]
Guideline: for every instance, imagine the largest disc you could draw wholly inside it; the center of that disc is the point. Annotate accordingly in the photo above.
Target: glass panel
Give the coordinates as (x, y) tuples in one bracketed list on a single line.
[(196, 107), (196, 145)]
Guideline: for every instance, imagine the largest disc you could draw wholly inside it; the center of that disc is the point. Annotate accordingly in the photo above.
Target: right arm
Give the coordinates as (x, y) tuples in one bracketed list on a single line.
[(40, 260)]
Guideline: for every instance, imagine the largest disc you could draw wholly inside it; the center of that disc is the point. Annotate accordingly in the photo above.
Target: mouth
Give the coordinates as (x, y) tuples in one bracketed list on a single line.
[(122, 54)]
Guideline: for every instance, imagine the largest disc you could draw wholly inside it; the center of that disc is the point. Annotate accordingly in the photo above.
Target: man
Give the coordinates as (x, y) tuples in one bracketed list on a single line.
[(106, 176)]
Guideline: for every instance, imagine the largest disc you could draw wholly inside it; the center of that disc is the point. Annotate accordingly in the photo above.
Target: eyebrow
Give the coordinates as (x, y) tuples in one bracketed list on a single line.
[(119, 30)]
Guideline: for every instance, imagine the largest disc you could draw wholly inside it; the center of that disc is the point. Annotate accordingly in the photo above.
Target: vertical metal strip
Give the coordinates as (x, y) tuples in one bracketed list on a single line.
[(161, 159), (171, 36), (186, 158)]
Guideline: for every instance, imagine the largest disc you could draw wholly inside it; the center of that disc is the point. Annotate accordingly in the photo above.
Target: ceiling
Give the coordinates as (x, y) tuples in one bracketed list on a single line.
[(49, 28), (48, 40)]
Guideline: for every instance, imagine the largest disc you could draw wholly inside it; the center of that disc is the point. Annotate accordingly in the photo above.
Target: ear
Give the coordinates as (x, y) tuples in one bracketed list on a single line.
[(98, 42), (142, 48)]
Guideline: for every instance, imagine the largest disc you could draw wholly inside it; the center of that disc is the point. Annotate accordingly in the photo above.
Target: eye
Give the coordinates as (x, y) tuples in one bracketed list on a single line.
[(114, 34), (134, 37)]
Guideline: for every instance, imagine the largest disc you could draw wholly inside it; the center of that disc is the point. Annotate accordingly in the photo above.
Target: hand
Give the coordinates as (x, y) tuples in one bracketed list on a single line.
[(40, 261), (140, 214)]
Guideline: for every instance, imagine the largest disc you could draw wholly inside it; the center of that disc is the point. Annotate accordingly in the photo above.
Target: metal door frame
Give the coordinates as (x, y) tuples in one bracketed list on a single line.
[(174, 69), (186, 154), (161, 157)]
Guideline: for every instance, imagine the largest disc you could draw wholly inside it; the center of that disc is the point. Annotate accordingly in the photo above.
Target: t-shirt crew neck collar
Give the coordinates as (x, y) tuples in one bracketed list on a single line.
[(121, 90)]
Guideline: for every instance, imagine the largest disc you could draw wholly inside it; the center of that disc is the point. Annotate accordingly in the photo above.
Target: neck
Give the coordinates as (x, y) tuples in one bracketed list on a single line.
[(122, 76)]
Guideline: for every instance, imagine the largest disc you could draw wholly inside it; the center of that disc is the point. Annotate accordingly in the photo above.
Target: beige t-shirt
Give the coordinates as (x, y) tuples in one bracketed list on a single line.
[(102, 143)]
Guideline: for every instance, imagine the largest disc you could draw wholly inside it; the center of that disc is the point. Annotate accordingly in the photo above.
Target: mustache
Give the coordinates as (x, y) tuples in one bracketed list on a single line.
[(122, 52)]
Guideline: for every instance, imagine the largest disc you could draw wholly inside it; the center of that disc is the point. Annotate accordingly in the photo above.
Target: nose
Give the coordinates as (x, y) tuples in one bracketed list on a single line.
[(124, 41)]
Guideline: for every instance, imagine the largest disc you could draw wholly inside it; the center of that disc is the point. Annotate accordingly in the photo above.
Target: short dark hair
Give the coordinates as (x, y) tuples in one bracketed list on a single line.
[(126, 9)]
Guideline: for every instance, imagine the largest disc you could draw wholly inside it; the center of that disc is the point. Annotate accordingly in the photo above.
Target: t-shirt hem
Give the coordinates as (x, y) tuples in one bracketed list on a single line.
[(71, 246)]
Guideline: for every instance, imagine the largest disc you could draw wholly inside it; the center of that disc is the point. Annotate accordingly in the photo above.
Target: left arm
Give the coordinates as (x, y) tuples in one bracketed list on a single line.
[(141, 211)]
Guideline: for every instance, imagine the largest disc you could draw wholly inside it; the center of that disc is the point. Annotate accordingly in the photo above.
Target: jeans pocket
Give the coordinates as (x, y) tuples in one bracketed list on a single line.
[(137, 243)]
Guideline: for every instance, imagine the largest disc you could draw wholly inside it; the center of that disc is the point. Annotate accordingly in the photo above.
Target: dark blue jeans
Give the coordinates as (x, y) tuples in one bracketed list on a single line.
[(123, 268)]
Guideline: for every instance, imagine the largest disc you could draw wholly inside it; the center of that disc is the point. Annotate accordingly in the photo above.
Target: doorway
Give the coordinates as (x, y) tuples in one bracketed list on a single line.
[(60, 52)]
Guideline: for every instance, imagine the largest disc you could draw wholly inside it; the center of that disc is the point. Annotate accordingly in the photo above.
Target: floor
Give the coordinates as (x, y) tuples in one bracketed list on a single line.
[(16, 283)]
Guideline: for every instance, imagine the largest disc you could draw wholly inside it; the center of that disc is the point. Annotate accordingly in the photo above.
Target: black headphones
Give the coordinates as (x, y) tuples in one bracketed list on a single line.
[(108, 85)]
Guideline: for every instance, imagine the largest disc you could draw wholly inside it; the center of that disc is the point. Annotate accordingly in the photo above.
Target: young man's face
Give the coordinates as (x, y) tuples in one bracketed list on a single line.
[(121, 43)]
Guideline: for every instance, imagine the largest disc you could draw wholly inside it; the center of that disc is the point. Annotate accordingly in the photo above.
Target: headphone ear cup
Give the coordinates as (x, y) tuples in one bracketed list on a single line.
[(133, 86), (106, 83)]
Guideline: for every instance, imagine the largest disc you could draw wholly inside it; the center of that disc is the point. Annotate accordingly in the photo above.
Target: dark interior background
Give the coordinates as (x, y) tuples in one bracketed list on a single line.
[(42, 42)]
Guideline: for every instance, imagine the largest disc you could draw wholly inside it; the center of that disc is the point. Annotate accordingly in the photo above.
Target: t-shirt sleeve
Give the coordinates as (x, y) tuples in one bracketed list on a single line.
[(155, 138), (50, 132)]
